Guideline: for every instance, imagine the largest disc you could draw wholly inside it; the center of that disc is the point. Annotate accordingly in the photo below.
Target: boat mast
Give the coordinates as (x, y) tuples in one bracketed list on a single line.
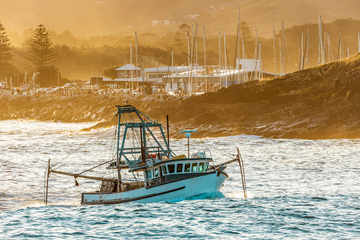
[(274, 47), (238, 37), (243, 50), (302, 52), (320, 42), (219, 57), (339, 48), (188, 91), (131, 73), (172, 70), (225, 62), (136, 52), (191, 57), (256, 60), (307, 47), (259, 60), (205, 60), (280, 65), (196, 55), (283, 40)]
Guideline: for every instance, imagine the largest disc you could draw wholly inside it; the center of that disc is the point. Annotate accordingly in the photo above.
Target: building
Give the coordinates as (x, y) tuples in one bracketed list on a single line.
[(128, 76)]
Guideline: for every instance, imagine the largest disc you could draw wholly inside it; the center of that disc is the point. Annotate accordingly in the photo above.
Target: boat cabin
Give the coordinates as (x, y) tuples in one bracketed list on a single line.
[(174, 170)]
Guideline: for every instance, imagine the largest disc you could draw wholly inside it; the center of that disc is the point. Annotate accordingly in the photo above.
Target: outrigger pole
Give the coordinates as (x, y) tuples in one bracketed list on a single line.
[(47, 182), (242, 170)]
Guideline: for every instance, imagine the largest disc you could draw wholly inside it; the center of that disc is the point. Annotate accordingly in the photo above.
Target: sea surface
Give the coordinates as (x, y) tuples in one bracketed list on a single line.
[(297, 189)]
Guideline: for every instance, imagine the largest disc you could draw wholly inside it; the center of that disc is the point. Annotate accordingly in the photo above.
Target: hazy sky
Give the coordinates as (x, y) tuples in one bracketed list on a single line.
[(102, 17)]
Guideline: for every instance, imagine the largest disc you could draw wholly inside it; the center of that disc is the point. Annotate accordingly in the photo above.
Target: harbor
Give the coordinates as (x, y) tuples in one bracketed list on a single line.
[(179, 119)]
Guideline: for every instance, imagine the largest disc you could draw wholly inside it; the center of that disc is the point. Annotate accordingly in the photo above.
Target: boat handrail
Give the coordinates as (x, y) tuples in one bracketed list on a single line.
[(205, 156)]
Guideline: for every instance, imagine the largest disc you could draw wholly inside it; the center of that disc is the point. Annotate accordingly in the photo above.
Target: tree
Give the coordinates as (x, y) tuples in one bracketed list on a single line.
[(6, 68), (41, 55), (111, 72), (249, 39)]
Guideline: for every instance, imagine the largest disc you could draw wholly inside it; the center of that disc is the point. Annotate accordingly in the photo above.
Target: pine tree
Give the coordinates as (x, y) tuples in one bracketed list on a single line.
[(41, 52), (42, 56), (6, 68)]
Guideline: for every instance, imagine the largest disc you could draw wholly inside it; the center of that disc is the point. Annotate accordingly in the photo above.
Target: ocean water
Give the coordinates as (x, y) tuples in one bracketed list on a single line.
[(298, 189)]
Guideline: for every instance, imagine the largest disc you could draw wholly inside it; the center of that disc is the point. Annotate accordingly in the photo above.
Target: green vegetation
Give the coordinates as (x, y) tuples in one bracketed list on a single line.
[(80, 58), (6, 67), (42, 57)]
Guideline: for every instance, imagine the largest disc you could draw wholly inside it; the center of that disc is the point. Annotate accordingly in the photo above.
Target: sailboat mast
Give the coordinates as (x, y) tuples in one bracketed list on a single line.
[(280, 60), (196, 56), (196, 44), (205, 60), (188, 92), (172, 70), (274, 47), (239, 35), (238, 43), (136, 59), (307, 47), (283, 40), (131, 73), (219, 57), (339, 48), (225, 62), (243, 53), (259, 59), (191, 56), (256, 53), (302, 52), (320, 38)]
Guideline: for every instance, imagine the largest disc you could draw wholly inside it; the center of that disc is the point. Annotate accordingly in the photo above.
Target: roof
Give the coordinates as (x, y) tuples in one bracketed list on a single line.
[(166, 69), (128, 67), (134, 79)]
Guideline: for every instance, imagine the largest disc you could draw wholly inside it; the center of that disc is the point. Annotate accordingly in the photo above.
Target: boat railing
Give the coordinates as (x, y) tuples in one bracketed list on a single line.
[(203, 154)]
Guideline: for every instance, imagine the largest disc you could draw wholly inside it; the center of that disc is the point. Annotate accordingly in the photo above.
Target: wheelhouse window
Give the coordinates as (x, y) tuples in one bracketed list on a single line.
[(148, 174), (201, 167), (179, 168), (156, 172), (164, 169), (171, 168), (187, 167), (206, 166), (194, 167)]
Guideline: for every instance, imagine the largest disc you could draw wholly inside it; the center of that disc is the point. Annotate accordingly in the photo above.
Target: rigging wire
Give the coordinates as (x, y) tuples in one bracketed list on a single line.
[(96, 134)]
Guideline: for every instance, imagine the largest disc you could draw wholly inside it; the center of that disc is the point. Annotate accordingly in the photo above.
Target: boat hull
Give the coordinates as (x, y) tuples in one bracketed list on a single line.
[(185, 188)]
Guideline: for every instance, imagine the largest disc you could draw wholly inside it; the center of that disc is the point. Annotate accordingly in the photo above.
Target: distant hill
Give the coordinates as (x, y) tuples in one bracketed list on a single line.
[(86, 18)]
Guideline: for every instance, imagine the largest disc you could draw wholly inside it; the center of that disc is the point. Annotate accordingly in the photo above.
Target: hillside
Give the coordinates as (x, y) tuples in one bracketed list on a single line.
[(316, 103), (85, 18)]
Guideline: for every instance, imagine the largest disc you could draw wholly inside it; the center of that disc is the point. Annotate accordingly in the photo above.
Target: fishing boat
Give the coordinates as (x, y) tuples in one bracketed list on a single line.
[(142, 147)]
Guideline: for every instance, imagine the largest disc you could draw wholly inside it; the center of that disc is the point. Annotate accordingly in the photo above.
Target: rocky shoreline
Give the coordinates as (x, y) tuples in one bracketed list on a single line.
[(317, 103)]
